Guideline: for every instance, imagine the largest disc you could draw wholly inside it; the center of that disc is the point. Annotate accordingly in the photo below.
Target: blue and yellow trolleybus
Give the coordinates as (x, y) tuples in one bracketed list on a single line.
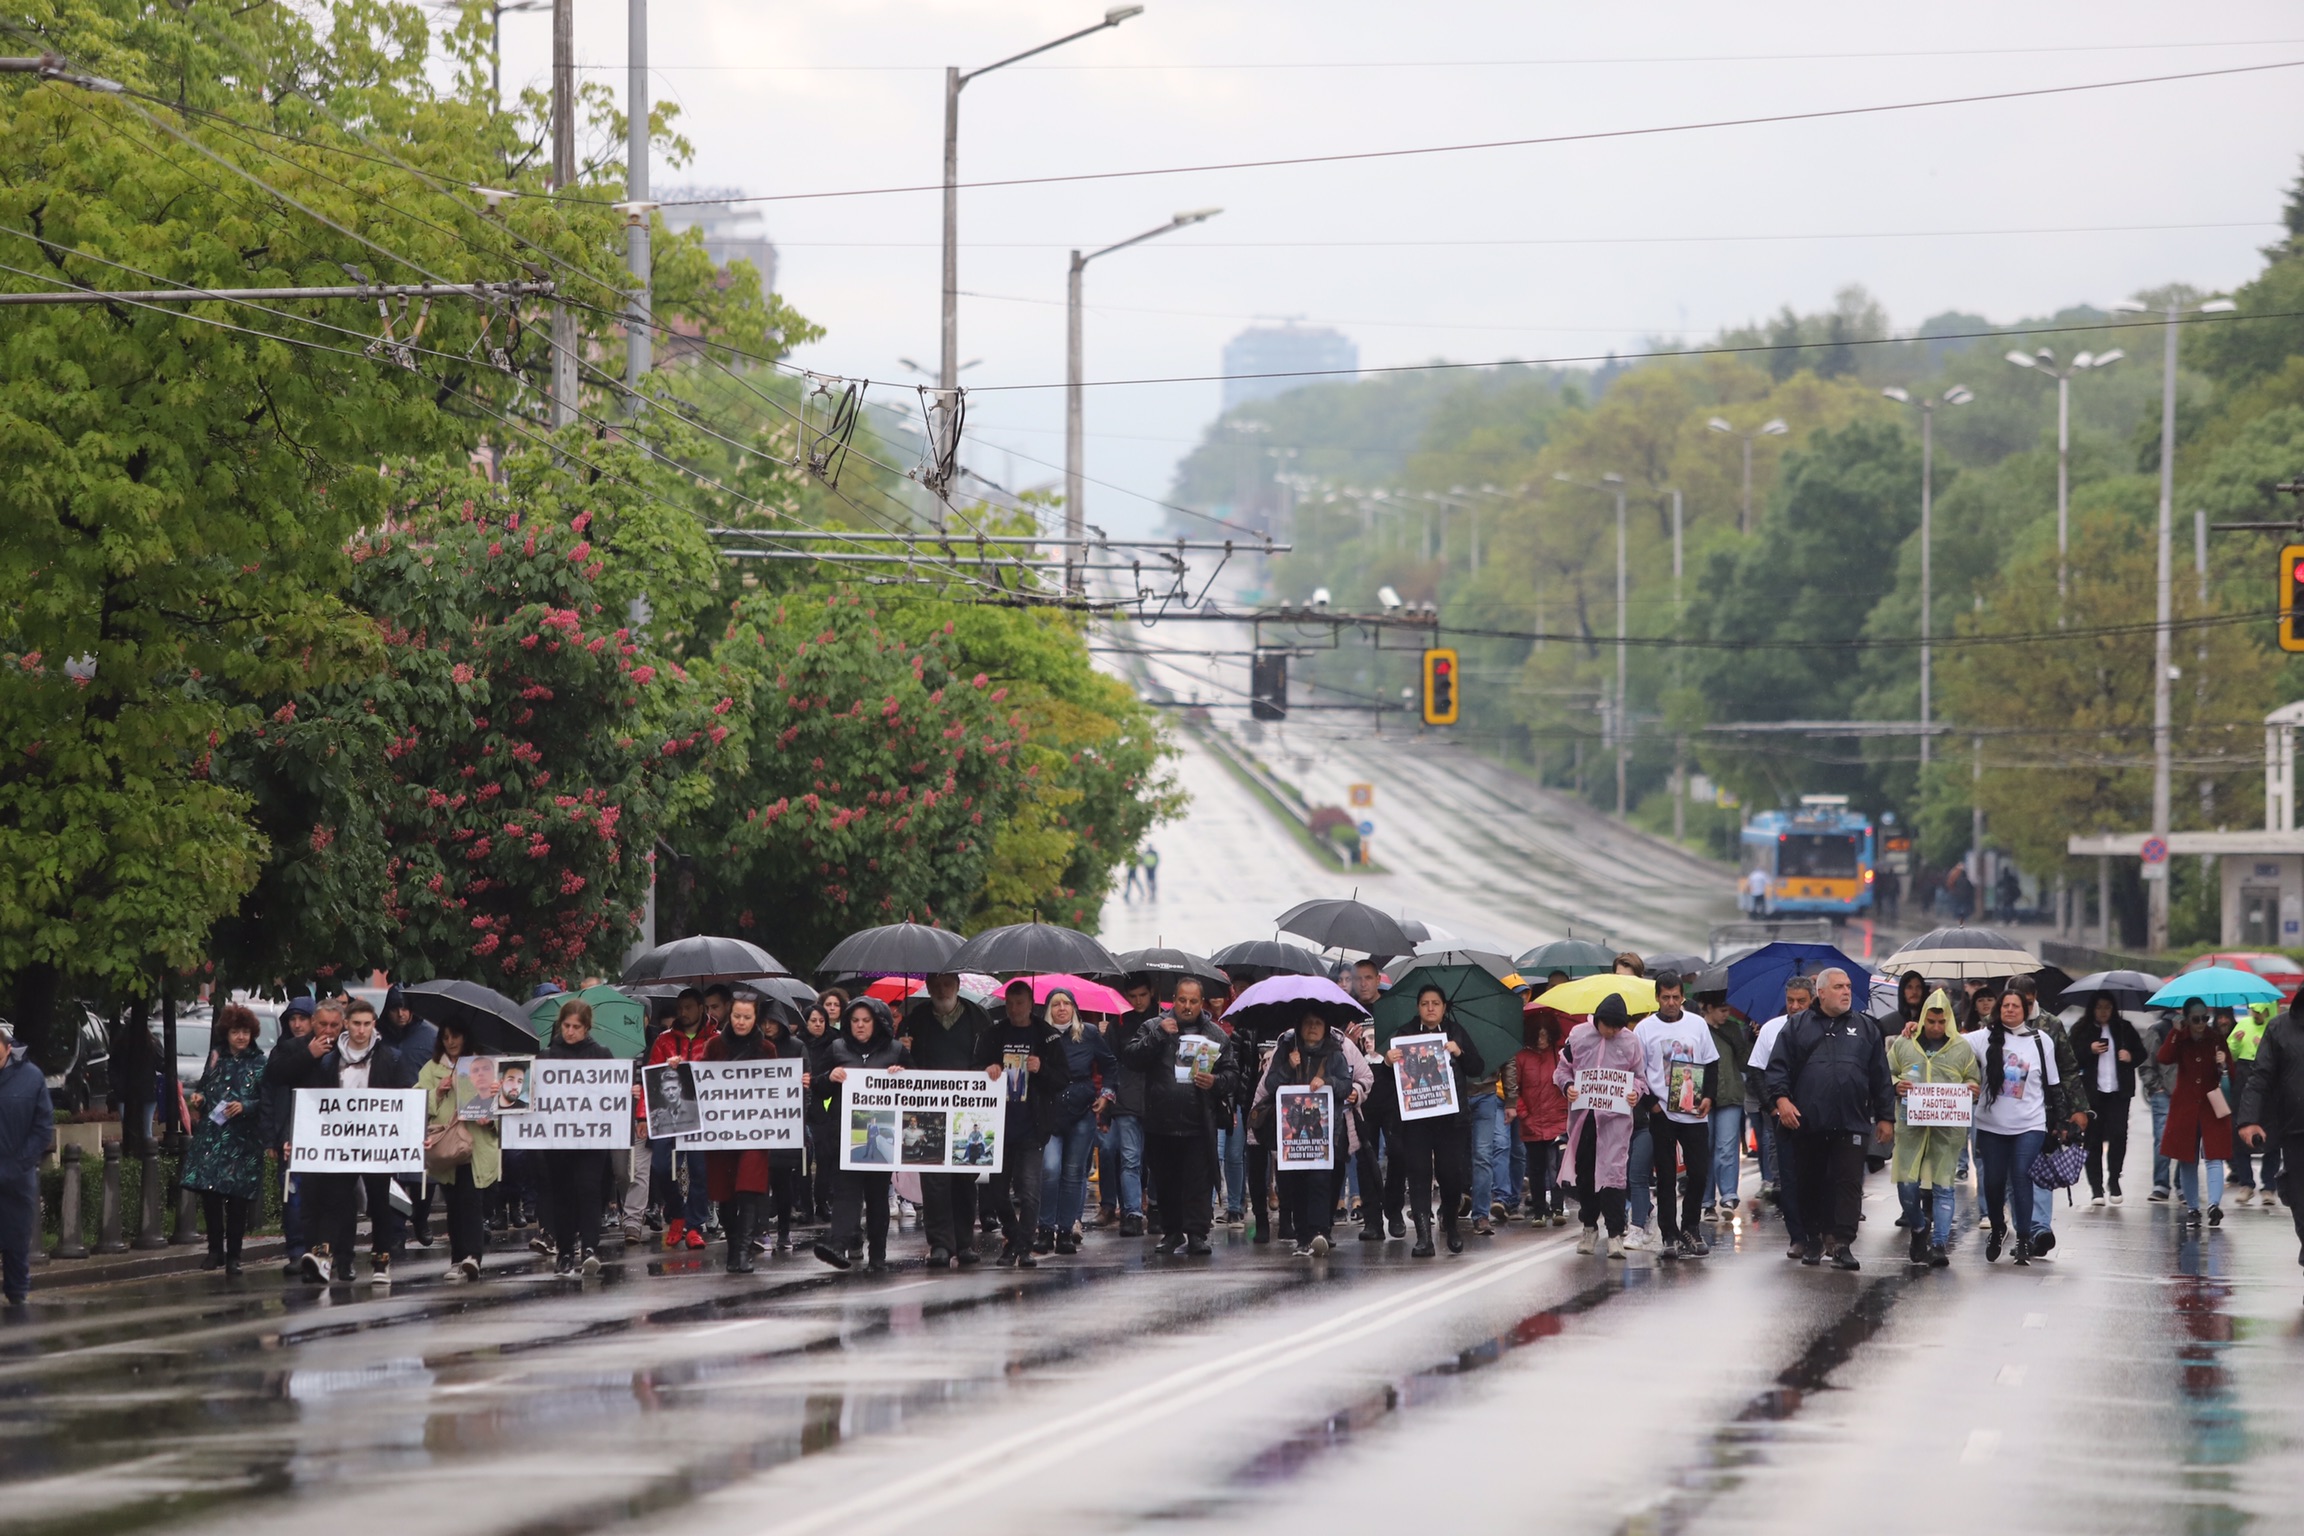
[(1817, 858)]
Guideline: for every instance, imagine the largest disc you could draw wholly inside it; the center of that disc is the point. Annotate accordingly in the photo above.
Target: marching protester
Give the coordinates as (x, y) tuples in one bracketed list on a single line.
[(277, 1117), (347, 1054), (2247, 1034), (2157, 1083), (1776, 1182), (817, 1034), (1732, 1038), (225, 1162), (576, 1179), (2110, 1053), (1827, 1086), (1599, 1127), (1481, 1096), (1185, 1100), (464, 1156), (1028, 1056), (1683, 1076), (2014, 1115), (2271, 1110), (1540, 1115), (1311, 1055), (2072, 1095), (1911, 1001), (860, 1199), (1120, 1134), (2199, 1118), (27, 1134), (688, 1205), (1433, 1146), (413, 1038), (737, 1182), (941, 1033), (1088, 1060), (1381, 1166), (1927, 1160)]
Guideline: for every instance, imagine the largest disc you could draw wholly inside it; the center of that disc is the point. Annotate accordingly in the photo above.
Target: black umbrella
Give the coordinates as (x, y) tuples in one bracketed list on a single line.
[(1682, 966), (493, 1024), (899, 949), (1036, 949), (1167, 962), (1270, 957), (2128, 989), (1334, 923), (702, 960)]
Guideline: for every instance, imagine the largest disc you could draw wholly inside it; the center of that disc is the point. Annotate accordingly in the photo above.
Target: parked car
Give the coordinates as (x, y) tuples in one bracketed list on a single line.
[(194, 1032), (2279, 970), (84, 1079)]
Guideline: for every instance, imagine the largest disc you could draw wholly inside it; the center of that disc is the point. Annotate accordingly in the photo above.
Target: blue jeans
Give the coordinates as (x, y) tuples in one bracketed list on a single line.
[(1519, 1182), (1641, 1171), (696, 1210), (1765, 1124), (293, 1233), (2007, 1161), (1727, 1155), (1121, 1144), (1917, 1198), (1065, 1173), (1491, 1147), (2159, 1103), (1232, 1153), (2188, 1179)]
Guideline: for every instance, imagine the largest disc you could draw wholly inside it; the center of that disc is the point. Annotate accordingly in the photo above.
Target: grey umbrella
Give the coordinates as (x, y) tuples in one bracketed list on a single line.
[(1273, 957), (1335, 923), (702, 960), (493, 1024)]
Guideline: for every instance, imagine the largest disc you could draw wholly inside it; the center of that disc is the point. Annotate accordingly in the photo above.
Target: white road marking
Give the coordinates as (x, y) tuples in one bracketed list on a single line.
[(1983, 1445), (2012, 1375), (2035, 1319)]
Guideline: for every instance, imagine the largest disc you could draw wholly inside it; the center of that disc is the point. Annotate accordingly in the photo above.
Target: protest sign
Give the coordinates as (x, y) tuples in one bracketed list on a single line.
[(671, 1090), (1426, 1078), (1605, 1090), (573, 1106), (1013, 1071), (358, 1130), (1938, 1104), (1196, 1054), (1307, 1118), (476, 1087), (747, 1106), (512, 1076), (930, 1122)]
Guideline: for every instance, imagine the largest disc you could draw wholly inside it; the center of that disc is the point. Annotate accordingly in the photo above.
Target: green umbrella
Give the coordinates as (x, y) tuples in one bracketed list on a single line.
[(1578, 957), (617, 1021), (1488, 1010)]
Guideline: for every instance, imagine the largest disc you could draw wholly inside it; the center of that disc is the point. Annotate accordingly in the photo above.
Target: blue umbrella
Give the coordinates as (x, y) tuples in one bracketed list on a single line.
[(2219, 986), (1756, 982)]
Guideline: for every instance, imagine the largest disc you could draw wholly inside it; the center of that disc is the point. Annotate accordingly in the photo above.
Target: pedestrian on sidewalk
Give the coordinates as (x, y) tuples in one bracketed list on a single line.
[(1600, 1129), (2272, 1109), (2247, 1033), (1927, 1161), (27, 1133), (445, 1095), (1540, 1115), (2109, 1051), (225, 1162), (1683, 1074), (1828, 1088), (2199, 1117), (1184, 1103), (2014, 1115), (1433, 1146), (940, 1033), (1021, 1051), (576, 1180), (860, 1199)]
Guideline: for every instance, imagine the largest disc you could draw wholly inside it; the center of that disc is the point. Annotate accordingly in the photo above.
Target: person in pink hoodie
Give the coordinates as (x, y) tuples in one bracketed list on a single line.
[(1600, 1117)]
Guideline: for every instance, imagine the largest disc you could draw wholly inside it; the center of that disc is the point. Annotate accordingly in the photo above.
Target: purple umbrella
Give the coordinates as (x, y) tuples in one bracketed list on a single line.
[(1280, 1002)]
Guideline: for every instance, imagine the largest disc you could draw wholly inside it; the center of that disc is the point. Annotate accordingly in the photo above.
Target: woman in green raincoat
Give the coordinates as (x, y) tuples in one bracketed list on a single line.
[(1927, 1157)]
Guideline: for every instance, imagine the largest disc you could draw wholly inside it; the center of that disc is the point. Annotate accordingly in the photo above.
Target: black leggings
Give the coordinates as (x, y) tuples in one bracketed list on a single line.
[(1594, 1204), (1182, 1163), (578, 1183), (467, 1225), (1439, 1146), (2107, 1139), (823, 1162), (227, 1222), (860, 1200), (1260, 1190), (1306, 1202)]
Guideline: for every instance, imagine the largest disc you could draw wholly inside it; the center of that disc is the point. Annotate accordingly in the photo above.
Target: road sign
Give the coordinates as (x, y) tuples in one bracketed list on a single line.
[(2155, 850), (1367, 829), (1362, 794)]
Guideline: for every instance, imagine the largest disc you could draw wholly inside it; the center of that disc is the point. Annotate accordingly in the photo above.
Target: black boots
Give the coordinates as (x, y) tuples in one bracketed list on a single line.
[(1423, 1248), (1450, 1233), (1919, 1253), (736, 1219)]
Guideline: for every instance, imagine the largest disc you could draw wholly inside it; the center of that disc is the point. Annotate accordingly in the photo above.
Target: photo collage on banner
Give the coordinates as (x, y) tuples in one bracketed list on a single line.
[(1426, 1076), (1307, 1121), (922, 1122)]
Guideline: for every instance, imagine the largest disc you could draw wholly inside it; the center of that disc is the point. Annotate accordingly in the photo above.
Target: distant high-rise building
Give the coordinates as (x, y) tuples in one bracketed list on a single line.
[(731, 232), (1290, 356)]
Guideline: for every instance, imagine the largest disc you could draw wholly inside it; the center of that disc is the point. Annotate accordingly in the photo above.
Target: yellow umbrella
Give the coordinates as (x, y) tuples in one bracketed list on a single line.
[(1584, 993)]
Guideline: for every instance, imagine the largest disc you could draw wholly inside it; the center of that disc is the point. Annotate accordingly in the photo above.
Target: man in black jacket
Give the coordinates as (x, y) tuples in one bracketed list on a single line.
[(941, 1033), (2272, 1103), (342, 1056), (1120, 1147), (1182, 1110), (1828, 1086), (276, 1106), (1023, 1053)]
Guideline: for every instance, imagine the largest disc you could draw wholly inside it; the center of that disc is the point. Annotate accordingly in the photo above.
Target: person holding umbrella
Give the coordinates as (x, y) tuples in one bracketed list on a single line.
[(1311, 1056), (1436, 1145), (1182, 1110), (1035, 1102), (1599, 1147), (2199, 1120), (2109, 1051)]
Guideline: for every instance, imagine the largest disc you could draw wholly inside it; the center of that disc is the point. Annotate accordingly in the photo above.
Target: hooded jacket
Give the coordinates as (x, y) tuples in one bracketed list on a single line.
[(1929, 1155), (1835, 1072), (2273, 1096), (27, 1117)]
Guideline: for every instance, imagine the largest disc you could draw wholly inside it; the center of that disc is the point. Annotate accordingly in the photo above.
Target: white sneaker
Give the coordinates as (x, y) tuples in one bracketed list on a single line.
[(1617, 1245), (2245, 1197), (1634, 1238), (2114, 1199), (316, 1268), (2095, 1199), (1319, 1247), (1590, 1241)]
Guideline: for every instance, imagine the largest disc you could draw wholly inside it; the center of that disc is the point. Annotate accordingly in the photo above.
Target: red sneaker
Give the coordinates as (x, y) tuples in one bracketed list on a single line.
[(695, 1238), (672, 1233)]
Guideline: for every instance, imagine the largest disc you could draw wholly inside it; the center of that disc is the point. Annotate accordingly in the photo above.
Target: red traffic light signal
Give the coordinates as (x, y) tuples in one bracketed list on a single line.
[(2291, 580), (1440, 701)]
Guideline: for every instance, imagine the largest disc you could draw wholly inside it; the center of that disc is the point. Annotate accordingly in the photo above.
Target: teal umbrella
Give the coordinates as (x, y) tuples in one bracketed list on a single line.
[(618, 1022), (2219, 986), (1488, 1010), (1578, 957)]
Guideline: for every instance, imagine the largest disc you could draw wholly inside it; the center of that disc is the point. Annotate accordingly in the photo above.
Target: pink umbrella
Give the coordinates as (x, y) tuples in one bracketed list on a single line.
[(1092, 996)]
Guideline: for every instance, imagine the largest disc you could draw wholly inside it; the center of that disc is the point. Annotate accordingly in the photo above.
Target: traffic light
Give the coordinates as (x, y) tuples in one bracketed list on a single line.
[(1268, 686), (2292, 597), (1440, 701)]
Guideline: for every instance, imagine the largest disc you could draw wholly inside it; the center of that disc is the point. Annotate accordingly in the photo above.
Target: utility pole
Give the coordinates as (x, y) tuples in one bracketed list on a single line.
[(1771, 428), (637, 336), (564, 342), (1958, 394), (1623, 651), (2045, 361), (1679, 738)]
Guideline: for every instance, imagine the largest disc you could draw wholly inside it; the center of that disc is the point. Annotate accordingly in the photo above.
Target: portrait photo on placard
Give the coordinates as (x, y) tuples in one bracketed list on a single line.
[(872, 1137), (512, 1074), (672, 1106), (974, 1135), (923, 1143)]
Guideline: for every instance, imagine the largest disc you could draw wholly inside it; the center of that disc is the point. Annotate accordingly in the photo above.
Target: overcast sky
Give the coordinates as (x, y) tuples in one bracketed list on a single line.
[(1535, 252)]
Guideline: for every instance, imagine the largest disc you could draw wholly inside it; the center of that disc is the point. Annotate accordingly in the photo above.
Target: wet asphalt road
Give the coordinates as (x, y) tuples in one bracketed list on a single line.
[(2138, 1381)]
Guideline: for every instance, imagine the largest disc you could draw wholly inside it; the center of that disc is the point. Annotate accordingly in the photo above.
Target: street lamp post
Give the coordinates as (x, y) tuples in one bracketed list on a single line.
[(2156, 890), (1075, 512), (1958, 394), (1774, 427), (2045, 361), (1615, 482), (948, 375)]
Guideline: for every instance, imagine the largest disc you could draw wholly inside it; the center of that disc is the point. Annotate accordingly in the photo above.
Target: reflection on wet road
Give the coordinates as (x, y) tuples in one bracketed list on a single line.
[(2141, 1381)]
